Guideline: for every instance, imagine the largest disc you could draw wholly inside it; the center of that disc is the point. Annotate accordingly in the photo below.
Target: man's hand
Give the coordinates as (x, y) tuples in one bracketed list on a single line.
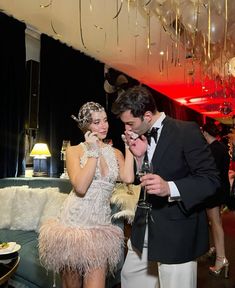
[(154, 184), (137, 144)]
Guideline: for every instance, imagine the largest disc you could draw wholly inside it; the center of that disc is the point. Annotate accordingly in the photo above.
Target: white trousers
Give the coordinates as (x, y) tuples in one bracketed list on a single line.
[(137, 272)]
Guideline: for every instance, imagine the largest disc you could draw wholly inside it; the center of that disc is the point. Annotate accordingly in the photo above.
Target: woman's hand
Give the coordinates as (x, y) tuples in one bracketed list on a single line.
[(91, 137), (92, 140)]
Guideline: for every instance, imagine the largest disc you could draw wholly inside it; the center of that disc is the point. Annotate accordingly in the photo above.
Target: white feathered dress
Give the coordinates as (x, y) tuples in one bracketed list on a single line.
[(83, 238)]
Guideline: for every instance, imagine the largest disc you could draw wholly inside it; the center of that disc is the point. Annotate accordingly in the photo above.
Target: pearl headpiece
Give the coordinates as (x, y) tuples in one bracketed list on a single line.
[(84, 115)]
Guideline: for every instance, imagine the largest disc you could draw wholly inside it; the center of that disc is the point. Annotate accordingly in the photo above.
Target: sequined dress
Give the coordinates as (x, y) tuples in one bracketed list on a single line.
[(83, 237)]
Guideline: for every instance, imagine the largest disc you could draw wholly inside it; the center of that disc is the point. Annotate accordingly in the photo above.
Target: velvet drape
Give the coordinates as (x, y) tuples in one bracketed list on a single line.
[(12, 95), (68, 79)]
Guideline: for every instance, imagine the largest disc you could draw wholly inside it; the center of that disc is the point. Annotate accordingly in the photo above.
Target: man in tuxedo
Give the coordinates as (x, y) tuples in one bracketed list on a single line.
[(171, 232)]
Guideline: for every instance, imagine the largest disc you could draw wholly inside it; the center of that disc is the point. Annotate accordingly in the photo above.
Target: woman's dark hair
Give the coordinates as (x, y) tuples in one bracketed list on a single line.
[(137, 99)]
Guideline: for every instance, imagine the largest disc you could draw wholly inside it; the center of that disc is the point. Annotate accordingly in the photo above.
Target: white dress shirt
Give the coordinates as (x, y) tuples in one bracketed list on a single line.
[(175, 195)]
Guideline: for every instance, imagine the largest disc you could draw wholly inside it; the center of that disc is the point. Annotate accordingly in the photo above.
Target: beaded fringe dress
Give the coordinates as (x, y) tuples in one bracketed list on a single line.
[(82, 237)]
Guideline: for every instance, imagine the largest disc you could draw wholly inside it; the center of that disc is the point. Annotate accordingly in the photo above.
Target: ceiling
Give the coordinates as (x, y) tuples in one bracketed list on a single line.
[(172, 46)]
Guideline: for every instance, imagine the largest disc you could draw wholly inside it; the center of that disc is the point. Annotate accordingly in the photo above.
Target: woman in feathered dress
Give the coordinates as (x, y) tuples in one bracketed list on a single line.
[(82, 244)]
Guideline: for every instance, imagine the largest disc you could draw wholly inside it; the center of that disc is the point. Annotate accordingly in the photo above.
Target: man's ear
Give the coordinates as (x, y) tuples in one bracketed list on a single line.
[(148, 115)]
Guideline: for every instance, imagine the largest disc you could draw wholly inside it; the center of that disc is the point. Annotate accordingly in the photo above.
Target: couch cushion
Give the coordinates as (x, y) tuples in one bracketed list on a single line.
[(64, 185), (27, 208), (19, 236), (6, 195), (30, 270), (30, 267)]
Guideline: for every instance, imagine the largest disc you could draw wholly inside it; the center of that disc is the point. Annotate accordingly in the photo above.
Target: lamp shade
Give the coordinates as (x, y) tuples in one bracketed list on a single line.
[(40, 150)]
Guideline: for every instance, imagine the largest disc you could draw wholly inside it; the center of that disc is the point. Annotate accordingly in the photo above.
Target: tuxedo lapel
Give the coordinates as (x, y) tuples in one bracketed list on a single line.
[(166, 138)]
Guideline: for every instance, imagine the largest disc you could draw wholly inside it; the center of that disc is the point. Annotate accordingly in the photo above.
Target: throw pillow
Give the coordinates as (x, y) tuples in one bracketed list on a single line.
[(7, 195), (27, 208), (53, 205)]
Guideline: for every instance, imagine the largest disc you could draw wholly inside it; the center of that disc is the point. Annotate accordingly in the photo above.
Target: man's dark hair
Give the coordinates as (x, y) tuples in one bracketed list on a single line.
[(137, 99), (211, 128)]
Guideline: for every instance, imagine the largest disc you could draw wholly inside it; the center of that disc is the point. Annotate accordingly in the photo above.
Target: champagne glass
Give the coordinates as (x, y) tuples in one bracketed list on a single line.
[(65, 145), (146, 168)]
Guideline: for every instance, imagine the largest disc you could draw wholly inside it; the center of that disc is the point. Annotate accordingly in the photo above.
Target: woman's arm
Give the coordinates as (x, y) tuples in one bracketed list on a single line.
[(126, 165), (80, 177)]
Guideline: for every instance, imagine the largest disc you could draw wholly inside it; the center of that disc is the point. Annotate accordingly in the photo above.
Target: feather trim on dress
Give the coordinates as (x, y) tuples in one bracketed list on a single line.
[(78, 248), (126, 198)]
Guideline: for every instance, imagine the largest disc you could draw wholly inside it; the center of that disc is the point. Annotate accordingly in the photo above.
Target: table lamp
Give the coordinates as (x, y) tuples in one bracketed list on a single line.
[(40, 153)]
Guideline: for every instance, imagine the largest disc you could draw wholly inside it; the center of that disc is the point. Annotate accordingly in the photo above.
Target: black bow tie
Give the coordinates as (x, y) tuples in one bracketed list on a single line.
[(152, 133)]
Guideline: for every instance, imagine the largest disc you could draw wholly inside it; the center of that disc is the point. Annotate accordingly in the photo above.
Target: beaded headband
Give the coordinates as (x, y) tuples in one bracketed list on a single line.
[(84, 115)]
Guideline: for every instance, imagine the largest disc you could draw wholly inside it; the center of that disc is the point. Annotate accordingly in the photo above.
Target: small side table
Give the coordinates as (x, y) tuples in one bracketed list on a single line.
[(8, 266)]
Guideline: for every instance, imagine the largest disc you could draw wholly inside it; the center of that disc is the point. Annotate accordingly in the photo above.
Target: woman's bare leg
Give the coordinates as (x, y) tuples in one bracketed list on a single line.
[(71, 279), (95, 279), (217, 230)]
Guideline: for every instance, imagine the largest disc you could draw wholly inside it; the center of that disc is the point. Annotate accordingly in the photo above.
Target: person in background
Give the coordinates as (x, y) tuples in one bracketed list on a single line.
[(82, 244), (231, 138), (215, 203), (171, 232)]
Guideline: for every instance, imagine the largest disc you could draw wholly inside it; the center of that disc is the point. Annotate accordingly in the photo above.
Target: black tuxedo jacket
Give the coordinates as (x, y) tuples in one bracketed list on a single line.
[(178, 231)]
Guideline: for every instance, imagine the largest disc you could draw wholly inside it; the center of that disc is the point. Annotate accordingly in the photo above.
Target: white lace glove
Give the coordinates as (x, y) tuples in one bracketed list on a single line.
[(92, 142), (129, 135)]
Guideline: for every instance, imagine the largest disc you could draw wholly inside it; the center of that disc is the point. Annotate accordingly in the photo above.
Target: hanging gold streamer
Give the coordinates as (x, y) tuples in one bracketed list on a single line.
[(167, 59), (50, 4), (204, 50), (176, 35), (128, 6), (209, 31), (117, 22), (47, 5), (80, 23), (148, 37), (136, 29), (90, 6), (128, 11), (53, 28), (146, 4), (172, 53), (118, 9), (225, 24), (160, 46)]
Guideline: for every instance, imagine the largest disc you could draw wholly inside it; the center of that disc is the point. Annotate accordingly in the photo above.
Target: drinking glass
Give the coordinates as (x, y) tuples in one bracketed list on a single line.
[(65, 145), (146, 168)]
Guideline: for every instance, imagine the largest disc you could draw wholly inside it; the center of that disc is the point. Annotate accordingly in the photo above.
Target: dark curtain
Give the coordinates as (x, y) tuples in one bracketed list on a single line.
[(68, 79), (13, 96)]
